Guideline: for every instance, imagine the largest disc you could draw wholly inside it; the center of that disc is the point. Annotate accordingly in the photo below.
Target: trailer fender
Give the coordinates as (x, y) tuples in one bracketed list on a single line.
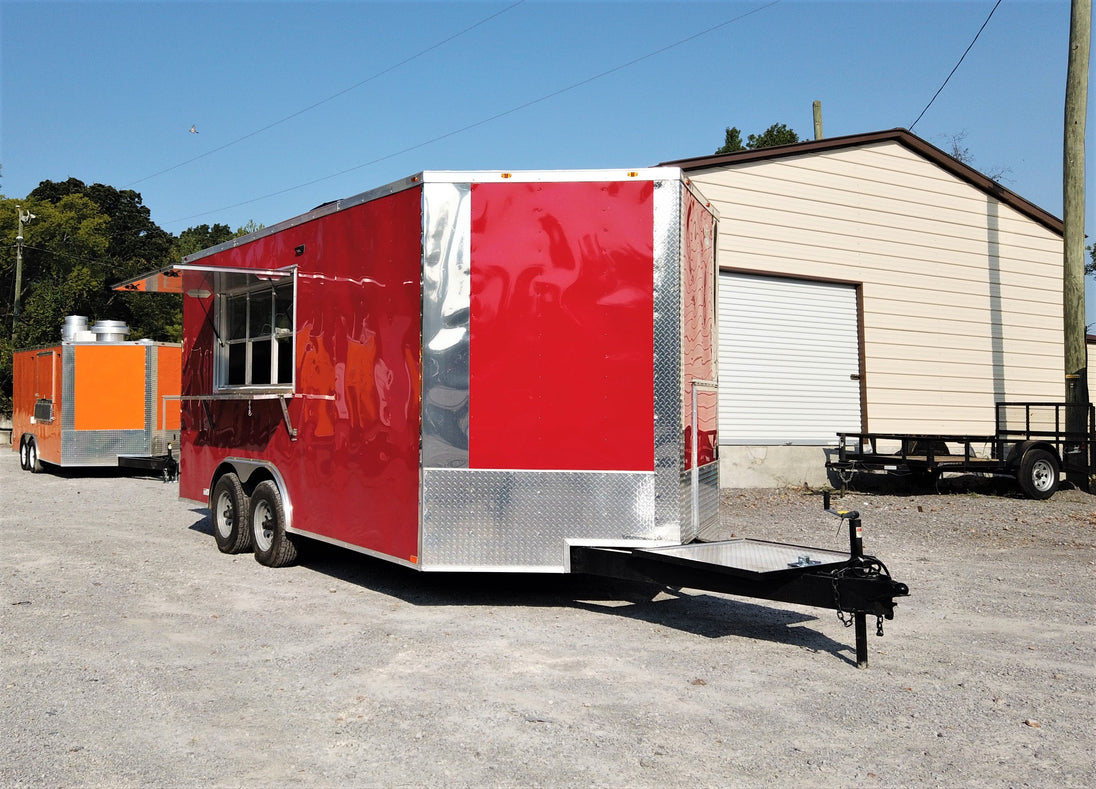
[(1020, 448), (251, 474)]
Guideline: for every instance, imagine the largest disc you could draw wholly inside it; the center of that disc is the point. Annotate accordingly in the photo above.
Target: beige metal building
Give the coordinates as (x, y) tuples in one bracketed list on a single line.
[(872, 282), (1090, 345)]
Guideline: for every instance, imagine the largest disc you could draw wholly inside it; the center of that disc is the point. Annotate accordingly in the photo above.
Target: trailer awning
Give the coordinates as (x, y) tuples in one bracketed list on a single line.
[(170, 278), (165, 280), (261, 273)]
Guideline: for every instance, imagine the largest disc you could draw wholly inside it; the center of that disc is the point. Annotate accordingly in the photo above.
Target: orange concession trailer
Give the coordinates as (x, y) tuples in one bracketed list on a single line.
[(97, 399)]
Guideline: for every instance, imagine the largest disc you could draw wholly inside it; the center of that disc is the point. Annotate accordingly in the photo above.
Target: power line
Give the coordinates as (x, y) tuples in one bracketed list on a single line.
[(489, 119), (333, 96), (983, 27)]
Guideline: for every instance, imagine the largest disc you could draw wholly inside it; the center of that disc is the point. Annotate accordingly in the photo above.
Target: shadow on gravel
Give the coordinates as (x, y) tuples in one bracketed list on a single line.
[(699, 613), (98, 472)]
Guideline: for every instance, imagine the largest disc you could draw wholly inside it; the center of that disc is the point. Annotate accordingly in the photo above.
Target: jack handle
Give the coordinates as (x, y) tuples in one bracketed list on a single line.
[(842, 514)]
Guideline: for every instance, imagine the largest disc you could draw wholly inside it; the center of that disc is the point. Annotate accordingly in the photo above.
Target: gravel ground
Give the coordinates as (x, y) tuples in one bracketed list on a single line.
[(132, 653)]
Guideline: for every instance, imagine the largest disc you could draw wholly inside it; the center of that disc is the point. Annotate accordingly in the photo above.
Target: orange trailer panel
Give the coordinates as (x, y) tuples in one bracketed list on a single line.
[(109, 387)]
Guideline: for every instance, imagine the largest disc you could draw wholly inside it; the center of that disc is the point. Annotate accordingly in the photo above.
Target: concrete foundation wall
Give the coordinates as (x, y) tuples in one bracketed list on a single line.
[(773, 467)]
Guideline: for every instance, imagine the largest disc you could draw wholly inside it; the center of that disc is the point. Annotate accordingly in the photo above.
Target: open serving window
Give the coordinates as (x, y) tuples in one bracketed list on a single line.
[(253, 317)]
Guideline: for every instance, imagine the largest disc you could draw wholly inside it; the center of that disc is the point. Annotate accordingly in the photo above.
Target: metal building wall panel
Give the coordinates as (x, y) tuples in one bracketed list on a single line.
[(929, 248)]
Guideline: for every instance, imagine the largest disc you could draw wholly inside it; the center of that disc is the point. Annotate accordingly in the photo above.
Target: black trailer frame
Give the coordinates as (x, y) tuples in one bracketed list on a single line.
[(854, 585), (1033, 443)]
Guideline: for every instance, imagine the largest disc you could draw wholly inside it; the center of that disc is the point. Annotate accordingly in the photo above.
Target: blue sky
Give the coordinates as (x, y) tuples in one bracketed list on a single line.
[(299, 103)]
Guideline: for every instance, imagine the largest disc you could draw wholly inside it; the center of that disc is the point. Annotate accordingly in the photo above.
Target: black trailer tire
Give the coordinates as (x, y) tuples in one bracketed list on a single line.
[(1038, 475), (24, 454), (34, 465), (231, 508), (273, 546)]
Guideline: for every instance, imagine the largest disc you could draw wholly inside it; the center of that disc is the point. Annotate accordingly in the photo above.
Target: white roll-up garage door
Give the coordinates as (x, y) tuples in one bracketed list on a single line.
[(789, 361)]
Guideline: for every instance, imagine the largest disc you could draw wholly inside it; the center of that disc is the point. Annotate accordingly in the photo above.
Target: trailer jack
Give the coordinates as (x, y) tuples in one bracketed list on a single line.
[(855, 585)]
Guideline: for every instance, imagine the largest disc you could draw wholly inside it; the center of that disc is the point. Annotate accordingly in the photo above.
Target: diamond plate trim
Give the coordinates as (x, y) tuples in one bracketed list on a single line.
[(511, 520), (669, 454)]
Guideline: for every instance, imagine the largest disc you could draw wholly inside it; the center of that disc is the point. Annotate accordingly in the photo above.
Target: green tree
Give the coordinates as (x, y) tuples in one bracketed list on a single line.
[(732, 141), (195, 239), (777, 134), (63, 272), (1090, 266), (135, 244)]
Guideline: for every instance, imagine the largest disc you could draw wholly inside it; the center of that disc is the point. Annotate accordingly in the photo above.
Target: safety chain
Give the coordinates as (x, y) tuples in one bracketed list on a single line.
[(870, 566)]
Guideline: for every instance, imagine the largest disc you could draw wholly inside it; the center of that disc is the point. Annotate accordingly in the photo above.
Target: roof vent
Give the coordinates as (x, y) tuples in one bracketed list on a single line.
[(110, 331), (74, 325)]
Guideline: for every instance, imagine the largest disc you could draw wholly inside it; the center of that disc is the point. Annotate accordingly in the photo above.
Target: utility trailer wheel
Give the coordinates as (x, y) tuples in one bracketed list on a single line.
[(1038, 475), (230, 507), (24, 454), (273, 546)]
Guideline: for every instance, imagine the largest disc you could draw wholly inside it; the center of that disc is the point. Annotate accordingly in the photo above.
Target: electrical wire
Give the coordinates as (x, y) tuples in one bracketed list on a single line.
[(487, 120), (983, 27), (333, 96)]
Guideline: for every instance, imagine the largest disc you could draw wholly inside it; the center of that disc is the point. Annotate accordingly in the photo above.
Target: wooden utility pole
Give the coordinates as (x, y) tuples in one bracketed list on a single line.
[(24, 216), (818, 120), (1073, 219)]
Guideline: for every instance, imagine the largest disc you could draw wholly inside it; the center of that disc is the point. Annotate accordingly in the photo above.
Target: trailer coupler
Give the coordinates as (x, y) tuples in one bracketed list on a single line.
[(863, 585)]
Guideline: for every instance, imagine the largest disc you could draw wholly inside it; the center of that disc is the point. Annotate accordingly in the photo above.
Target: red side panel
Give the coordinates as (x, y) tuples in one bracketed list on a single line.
[(353, 472), (698, 339), (562, 373)]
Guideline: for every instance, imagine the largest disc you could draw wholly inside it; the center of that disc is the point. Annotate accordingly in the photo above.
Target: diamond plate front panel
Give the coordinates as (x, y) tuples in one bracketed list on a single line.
[(102, 447), (522, 520), (669, 450), (707, 501)]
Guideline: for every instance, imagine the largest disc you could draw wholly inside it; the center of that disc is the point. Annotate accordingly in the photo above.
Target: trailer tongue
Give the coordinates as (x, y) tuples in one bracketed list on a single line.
[(855, 585)]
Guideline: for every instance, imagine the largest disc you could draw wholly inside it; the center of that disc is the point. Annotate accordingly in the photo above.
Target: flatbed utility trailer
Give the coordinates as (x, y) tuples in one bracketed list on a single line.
[(97, 400), (1033, 443), (479, 371)]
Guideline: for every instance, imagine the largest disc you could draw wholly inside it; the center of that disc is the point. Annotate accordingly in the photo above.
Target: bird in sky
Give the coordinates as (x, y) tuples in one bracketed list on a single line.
[(194, 129)]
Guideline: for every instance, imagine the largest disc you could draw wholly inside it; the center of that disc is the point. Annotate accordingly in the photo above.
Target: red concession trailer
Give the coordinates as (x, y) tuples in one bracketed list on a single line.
[(478, 371), (97, 399)]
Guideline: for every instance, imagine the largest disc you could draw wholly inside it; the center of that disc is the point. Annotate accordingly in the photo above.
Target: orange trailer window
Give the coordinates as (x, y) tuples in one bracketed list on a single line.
[(109, 387)]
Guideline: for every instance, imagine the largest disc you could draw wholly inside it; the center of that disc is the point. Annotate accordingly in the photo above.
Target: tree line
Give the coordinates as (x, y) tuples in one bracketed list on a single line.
[(83, 240)]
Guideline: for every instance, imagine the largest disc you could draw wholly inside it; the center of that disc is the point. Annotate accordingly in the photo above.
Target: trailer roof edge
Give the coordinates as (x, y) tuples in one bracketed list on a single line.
[(660, 173)]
